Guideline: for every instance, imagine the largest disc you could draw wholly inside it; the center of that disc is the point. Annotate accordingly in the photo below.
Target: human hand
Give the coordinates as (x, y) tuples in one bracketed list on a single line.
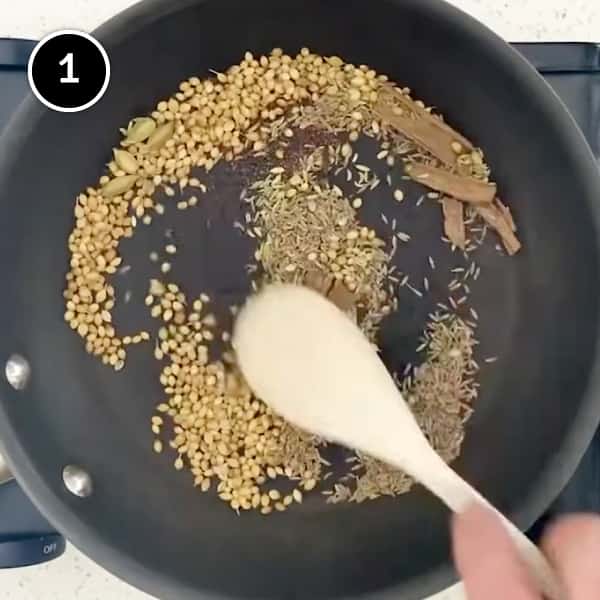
[(491, 568)]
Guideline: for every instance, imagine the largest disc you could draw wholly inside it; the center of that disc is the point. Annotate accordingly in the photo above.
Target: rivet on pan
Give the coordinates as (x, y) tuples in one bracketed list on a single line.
[(17, 371), (77, 481)]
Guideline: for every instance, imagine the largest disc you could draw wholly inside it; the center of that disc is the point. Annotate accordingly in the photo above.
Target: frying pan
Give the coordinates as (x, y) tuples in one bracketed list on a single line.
[(538, 406)]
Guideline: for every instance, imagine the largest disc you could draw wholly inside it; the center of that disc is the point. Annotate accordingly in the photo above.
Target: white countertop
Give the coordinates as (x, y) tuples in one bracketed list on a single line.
[(515, 20), (73, 576)]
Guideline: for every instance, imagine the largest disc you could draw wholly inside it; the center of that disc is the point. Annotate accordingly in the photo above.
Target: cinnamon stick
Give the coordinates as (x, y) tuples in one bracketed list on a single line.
[(427, 130), (318, 281), (462, 188), (497, 218), (454, 223), (335, 291), (343, 298), (507, 214)]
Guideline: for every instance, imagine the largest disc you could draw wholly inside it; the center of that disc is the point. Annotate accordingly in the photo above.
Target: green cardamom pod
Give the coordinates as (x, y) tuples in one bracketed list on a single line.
[(140, 129), (160, 137), (119, 185), (126, 161)]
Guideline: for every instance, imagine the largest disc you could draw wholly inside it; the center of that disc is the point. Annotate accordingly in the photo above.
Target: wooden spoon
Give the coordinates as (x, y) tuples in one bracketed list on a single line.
[(314, 367)]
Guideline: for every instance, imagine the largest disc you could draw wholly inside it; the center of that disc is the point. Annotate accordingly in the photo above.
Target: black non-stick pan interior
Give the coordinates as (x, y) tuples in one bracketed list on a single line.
[(538, 311)]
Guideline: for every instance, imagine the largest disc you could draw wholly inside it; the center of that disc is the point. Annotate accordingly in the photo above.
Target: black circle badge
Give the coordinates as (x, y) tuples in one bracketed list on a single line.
[(69, 71)]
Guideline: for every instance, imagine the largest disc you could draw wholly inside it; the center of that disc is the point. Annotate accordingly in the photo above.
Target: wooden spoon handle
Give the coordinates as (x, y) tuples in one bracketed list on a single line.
[(457, 494)]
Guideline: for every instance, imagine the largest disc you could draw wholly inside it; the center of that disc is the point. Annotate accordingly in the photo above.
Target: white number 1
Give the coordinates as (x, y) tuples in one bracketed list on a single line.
[(70, 78)]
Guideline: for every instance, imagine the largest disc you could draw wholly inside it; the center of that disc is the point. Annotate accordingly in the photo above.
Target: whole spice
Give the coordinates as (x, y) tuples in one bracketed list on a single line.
[(221, 431), (298, 110), (462, 188), (343, 298), (440, 396), (315, 229), (502, 222), (119, 185), (139, 130), (454, 224), (125, 161), (319, 281), (399, 111), (160, 136)]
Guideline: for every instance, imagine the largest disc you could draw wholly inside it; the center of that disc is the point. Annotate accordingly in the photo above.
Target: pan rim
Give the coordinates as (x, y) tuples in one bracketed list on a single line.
[(560, 469)]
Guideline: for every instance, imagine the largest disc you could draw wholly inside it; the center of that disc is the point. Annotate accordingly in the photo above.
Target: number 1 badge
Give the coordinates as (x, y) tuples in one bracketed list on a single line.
[(69, 71)]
